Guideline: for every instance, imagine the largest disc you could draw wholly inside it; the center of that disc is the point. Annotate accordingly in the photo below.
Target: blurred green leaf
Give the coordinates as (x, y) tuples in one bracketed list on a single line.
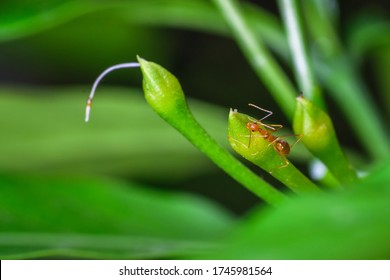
[(349, 225), (339, 75), (368, 40), (43, 131), (21, 20), (367, 32), (381, 62), (80, 217), (260, 58), (101, 33)]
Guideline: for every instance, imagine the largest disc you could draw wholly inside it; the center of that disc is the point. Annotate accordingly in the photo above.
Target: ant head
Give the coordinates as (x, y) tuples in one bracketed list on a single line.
[(252, 126)]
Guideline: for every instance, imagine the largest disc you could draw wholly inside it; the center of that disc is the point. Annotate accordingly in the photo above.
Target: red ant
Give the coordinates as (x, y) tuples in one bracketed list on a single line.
[(281, 146)]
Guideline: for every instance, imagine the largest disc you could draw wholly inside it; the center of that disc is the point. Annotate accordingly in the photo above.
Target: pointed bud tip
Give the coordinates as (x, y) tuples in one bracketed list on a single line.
[(140, 59), (301, 99), (233, 111)]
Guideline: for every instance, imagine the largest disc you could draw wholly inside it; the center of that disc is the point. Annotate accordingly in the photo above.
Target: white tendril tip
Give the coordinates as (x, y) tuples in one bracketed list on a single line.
[(98, 80), (88, 109)]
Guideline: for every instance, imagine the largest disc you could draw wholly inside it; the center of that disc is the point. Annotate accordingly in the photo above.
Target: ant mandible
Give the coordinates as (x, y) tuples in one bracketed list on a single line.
[(281, 146)]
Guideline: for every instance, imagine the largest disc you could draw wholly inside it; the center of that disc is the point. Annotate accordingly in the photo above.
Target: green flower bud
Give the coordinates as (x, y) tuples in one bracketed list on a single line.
[(162, 90), (261, 152), (320, 138)]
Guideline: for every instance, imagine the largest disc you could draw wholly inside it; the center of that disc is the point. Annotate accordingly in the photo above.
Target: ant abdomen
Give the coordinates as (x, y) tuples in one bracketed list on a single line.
[(282, 147)]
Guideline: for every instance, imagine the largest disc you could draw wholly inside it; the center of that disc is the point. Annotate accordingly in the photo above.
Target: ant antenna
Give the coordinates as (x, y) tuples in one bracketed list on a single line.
[(98, 80), (257, 107)]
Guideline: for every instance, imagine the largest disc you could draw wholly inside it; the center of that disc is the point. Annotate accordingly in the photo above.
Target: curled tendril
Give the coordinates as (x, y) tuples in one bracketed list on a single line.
[(99, 79)]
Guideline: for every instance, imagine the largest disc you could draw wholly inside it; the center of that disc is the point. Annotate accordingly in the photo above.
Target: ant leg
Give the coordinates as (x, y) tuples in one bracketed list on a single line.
[(250, 137), (299, 136), (255, 136), (276, 139), (235, 140), (288, 135), (245, 146), (239, 142), (273, 127), (286, 162)]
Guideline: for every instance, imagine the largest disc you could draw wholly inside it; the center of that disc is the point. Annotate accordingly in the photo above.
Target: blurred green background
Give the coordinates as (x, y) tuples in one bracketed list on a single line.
[(126, 185)]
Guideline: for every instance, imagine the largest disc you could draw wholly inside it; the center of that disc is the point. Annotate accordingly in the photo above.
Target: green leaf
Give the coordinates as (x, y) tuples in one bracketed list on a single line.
[(351, 225), (366, 34), (43, 131), (80, 217), (17, 15)]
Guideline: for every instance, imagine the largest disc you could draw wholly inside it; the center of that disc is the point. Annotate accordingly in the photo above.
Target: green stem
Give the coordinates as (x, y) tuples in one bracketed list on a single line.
[(302, 67), (258, 56), (164, 94)]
